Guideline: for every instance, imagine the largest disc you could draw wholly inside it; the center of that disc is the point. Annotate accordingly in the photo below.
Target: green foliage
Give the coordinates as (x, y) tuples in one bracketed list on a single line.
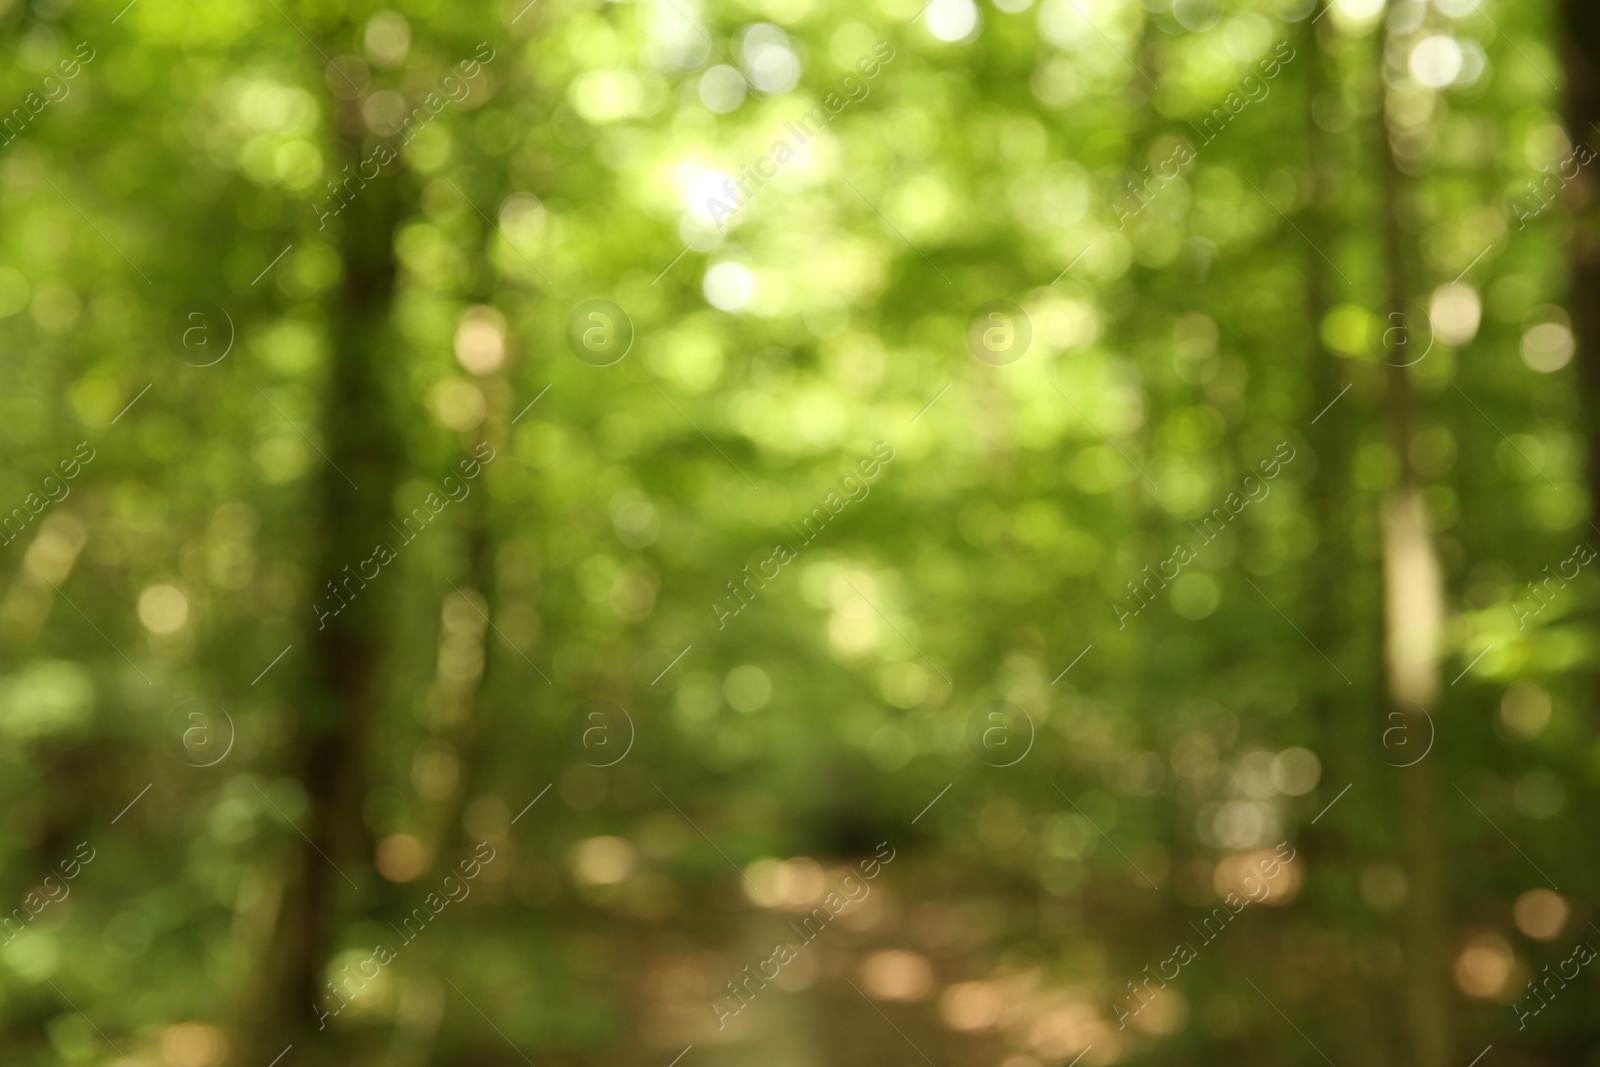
[(288, 269)]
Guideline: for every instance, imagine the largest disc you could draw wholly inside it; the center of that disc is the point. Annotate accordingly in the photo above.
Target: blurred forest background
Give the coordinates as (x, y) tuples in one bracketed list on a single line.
[(485, 579)]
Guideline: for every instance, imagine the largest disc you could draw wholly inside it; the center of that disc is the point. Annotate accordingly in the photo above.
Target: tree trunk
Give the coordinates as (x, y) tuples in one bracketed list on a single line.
[(1413, 615), (1580, 57), (1345, 738), (363, 451)]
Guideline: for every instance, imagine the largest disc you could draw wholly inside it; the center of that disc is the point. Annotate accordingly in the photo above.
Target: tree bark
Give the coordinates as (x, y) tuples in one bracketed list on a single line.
[(1345, 738), (356, 484), (1580, 57), (1413, 611)]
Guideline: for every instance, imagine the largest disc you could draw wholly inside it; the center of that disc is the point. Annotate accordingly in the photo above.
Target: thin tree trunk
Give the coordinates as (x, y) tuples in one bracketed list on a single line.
[(363, 450), (1345, 738), (1580, 56), (1581, 59), (1413, 612)]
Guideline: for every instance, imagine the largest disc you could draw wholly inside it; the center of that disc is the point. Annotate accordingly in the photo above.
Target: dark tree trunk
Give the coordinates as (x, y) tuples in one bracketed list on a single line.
[(363, 459), (1581, 59)]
